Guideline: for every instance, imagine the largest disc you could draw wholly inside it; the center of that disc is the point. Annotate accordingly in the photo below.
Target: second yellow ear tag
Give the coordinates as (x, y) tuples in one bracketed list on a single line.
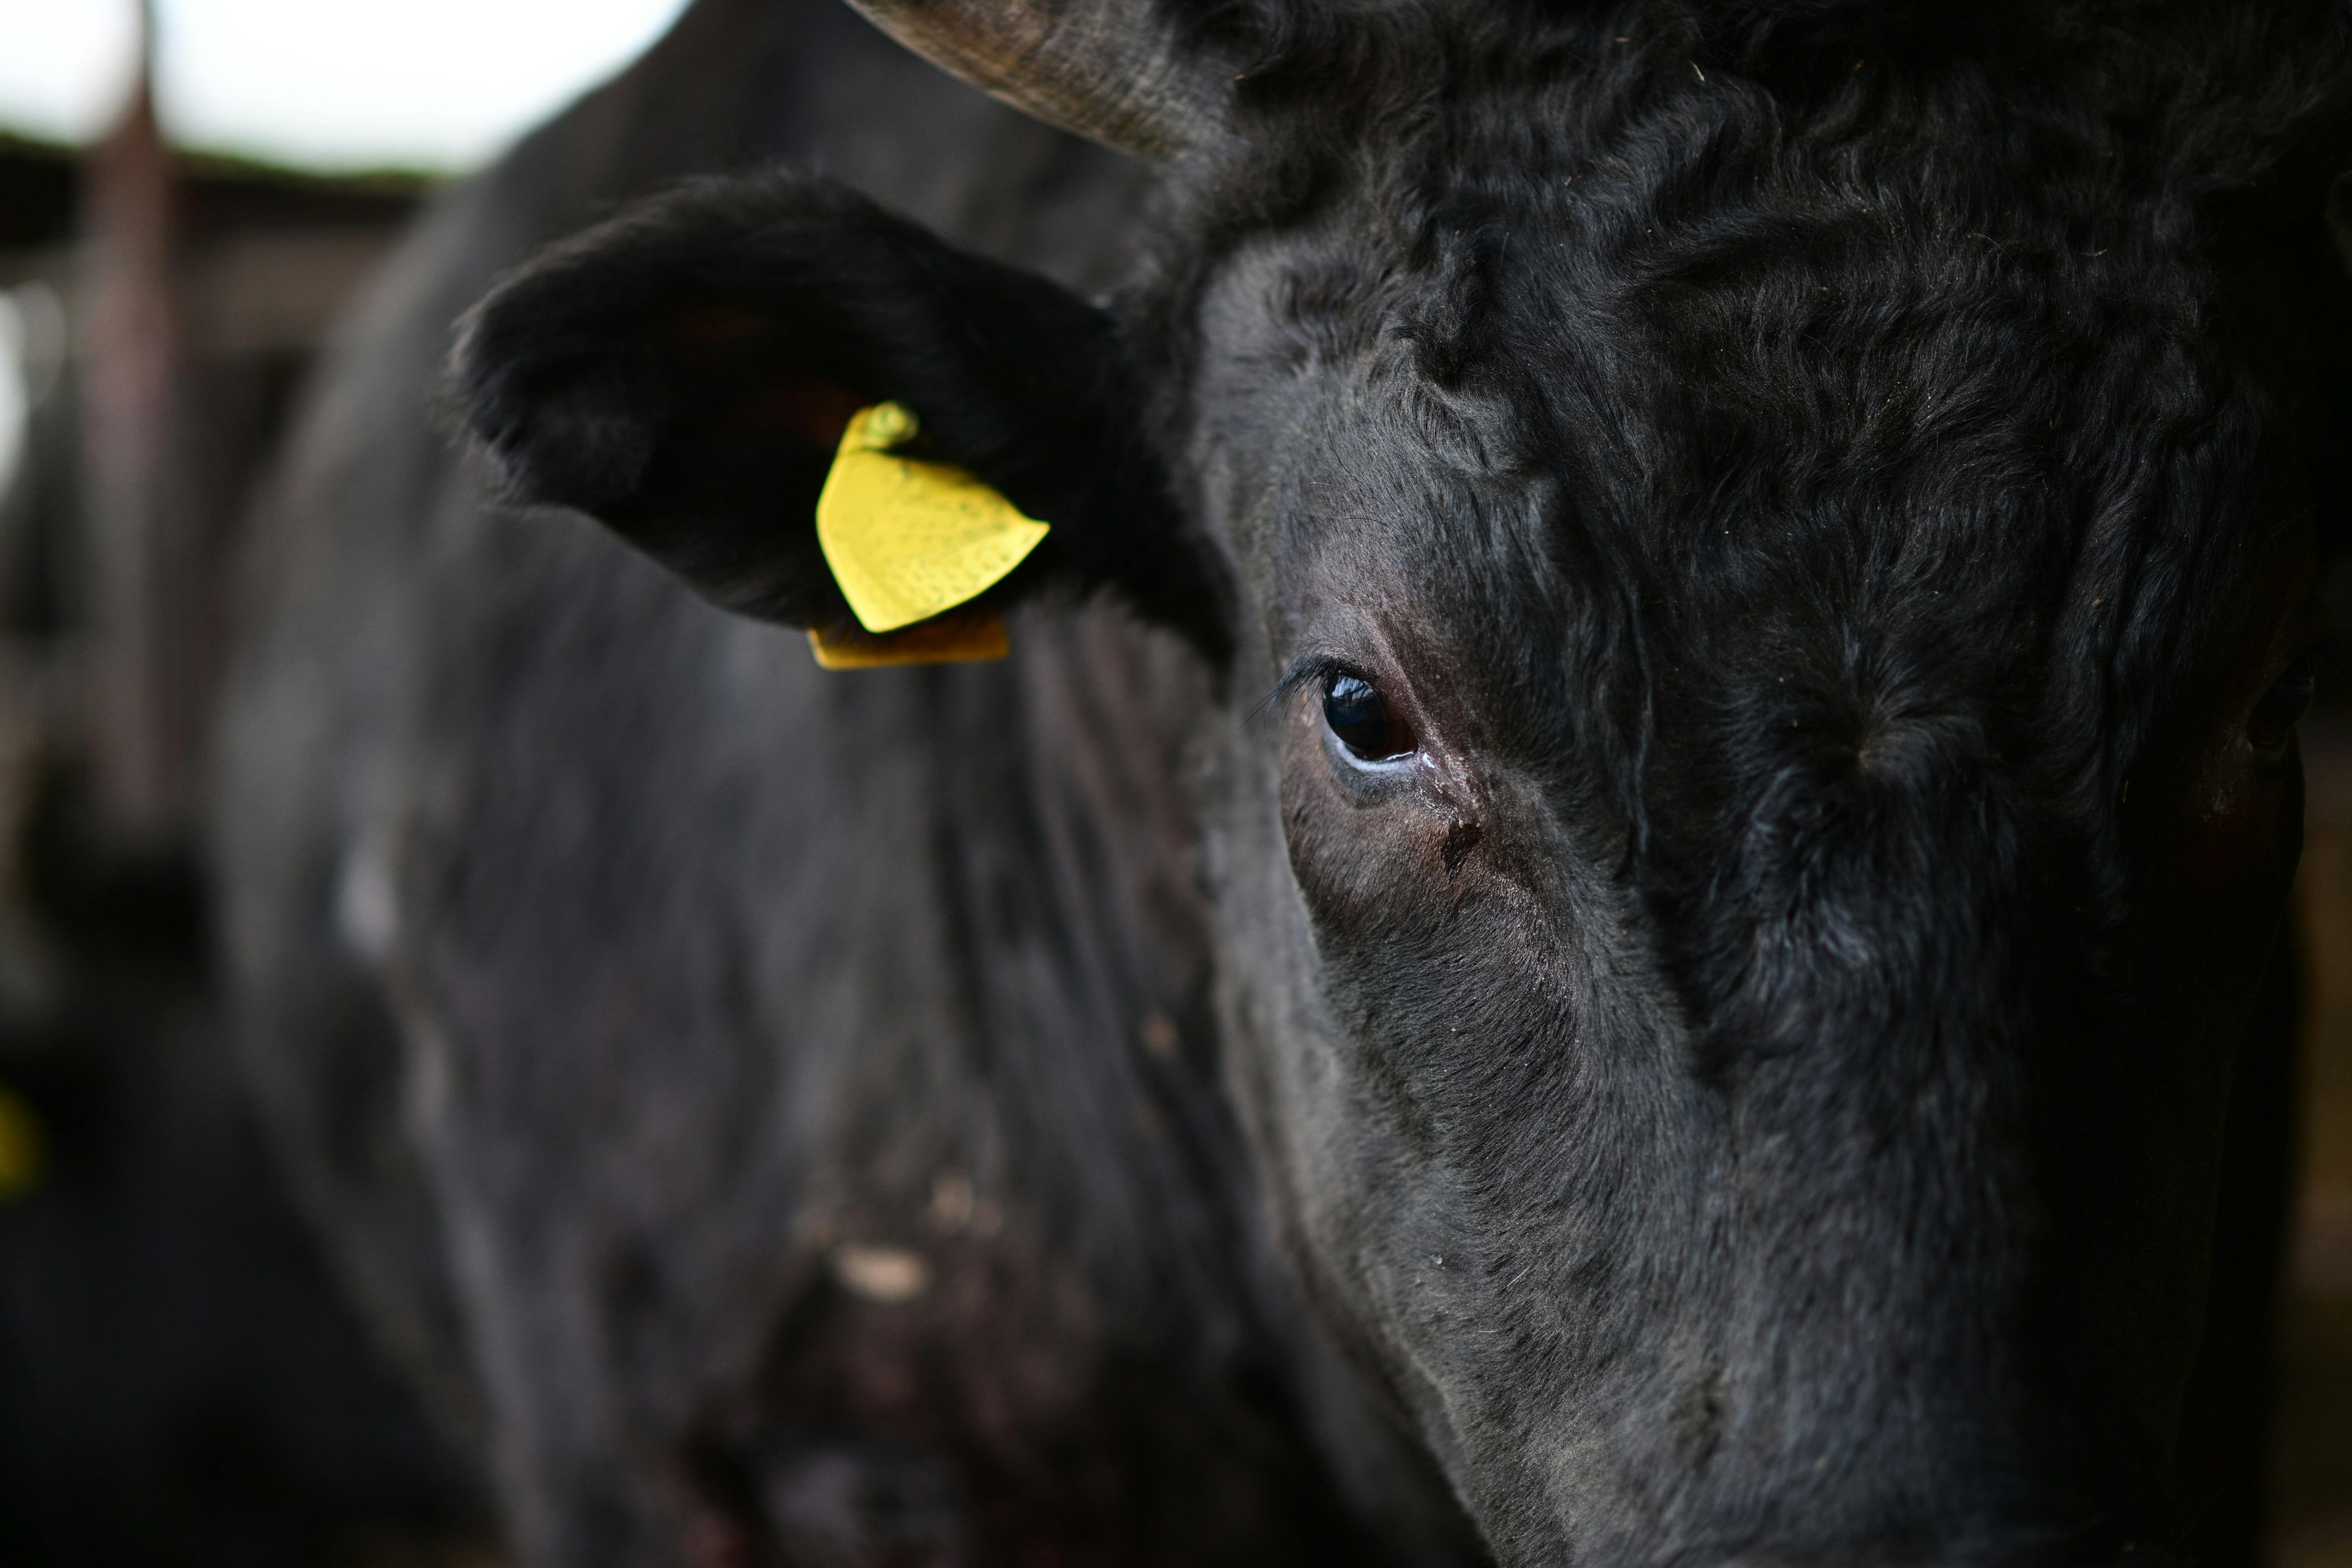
[(907, 539), (20, 1146)]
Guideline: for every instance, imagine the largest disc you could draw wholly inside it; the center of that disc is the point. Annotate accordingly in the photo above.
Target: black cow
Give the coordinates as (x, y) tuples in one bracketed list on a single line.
[(1615, 908)]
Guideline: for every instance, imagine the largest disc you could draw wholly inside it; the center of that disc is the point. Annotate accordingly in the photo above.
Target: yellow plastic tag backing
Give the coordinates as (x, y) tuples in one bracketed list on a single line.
[(908, 540), (972, 634)]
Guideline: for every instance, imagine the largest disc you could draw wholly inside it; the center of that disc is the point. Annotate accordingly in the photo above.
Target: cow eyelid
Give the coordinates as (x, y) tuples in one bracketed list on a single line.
[(1307, 669), (1328, 669)]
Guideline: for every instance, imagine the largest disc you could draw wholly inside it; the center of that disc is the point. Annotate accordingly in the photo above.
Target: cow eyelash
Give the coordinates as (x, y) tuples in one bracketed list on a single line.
[(1310, 668)]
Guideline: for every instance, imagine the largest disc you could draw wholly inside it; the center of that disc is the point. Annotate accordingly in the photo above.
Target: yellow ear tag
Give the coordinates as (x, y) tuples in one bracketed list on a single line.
[(908, 540)]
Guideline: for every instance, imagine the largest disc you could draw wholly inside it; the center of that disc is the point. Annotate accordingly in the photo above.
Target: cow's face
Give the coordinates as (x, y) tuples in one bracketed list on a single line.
[(1764, 601), (1773, 811)]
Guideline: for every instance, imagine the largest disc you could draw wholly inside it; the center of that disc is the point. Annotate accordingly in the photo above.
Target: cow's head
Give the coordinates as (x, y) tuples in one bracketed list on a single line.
[(1762, 558)]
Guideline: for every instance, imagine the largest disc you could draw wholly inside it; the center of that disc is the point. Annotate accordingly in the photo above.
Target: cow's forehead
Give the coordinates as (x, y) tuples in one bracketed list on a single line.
[(1831, 389)]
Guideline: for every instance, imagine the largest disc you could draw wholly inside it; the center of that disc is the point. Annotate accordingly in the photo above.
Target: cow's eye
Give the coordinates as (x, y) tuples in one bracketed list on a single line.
[(1360, 718), (2282, 706)]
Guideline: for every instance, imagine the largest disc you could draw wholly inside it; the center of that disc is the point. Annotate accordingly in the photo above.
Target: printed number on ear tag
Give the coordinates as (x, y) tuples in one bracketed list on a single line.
[(909, 541)]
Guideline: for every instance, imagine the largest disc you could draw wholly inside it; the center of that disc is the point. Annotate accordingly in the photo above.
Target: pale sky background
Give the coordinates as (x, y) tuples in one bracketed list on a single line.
[(328, 84)]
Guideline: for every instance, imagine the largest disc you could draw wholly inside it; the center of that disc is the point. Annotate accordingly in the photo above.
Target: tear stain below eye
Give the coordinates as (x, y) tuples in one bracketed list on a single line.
[(1460, 839)]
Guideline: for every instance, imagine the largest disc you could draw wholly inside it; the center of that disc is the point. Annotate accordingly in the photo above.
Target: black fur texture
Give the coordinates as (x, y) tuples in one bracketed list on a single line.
[(1821, 489)]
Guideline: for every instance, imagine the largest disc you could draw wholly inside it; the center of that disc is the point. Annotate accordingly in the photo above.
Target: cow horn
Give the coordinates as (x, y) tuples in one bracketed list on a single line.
[(1109, 69)]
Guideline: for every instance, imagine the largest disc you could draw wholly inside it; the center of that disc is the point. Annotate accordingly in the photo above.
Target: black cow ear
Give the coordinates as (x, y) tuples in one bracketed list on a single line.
[(684, 374)]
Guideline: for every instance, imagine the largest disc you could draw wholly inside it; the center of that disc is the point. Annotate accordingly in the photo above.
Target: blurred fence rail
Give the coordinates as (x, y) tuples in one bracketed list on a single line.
[(180, 1382), (176, 302)]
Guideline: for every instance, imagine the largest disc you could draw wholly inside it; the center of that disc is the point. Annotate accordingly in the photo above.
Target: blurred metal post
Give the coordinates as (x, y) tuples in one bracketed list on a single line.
[(137, 566)]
